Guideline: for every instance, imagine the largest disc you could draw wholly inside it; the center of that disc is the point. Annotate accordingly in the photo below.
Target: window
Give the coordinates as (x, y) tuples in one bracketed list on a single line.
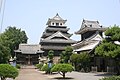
[(52, 23), (57, 24), (91, 25), (61, 24)]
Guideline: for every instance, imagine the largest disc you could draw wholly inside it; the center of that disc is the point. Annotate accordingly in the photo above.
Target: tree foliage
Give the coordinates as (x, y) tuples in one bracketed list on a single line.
[(46, 68), (113, 33), (12, 37), (65, 55), (8, 71), (81, 60), (108, 49), (62, 69), (50, 55), (39, 66), (4, 54)]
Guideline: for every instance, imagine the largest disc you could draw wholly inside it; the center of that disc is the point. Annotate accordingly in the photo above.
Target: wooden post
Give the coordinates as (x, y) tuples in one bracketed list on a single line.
[(29, 59)]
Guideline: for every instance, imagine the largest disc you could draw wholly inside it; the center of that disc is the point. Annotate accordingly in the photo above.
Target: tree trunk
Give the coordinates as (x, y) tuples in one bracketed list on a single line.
[(118, 66), (75, 64), (118, 70), (63, 75), (3, 78)]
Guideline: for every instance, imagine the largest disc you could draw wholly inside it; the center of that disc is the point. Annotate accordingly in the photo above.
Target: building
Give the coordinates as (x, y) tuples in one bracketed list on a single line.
[(28, 54), (56, 36), (91, 36)]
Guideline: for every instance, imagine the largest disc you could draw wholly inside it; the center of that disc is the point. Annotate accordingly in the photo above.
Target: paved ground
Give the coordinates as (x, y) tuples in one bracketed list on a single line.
[(30, 73), (80, 76)]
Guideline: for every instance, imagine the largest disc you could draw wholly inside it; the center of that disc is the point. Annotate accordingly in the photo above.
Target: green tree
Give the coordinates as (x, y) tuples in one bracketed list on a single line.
[(50, 55), (8, 71), (62, 69), (65, 55), (75, 60), (12, 37), (81, 60), (113, 33), (84, 61), (4, 54), (108, 49)]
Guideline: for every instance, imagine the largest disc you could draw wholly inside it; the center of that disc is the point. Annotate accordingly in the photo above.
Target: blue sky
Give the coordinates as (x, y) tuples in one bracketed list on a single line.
[(32, 15)]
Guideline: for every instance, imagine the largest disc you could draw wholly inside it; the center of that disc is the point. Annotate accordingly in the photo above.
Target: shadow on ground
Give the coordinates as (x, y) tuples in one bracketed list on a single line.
[(49, 74), (61, 78), (104, 74)]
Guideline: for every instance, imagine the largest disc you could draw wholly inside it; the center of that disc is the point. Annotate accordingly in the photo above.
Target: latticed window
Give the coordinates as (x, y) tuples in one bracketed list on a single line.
[(57, 24)]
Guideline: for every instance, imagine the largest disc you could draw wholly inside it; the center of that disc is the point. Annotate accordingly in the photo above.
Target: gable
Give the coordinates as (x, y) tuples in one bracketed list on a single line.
[(97, 37), (57, 35), (59, 38)]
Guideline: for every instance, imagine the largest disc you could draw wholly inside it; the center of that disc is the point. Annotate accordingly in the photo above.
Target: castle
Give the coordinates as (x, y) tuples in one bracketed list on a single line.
[(56, 37)]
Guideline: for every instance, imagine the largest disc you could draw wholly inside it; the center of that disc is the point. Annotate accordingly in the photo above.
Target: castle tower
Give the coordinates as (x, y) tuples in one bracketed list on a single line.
[(91, 35), (89, 28), (56, 36)]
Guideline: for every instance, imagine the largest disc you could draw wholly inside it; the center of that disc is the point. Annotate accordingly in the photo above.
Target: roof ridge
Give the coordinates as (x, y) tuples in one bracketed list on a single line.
[(28, 44), (90, 21)]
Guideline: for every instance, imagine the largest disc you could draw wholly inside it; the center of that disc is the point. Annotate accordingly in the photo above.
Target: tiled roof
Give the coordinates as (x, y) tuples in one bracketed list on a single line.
[(93, 24), (29, 49), (58, 37), (57, 17), (57, 47), (90, 25), (45, 34), (117, 42), (90, 46), (88, 43), (57, 29)]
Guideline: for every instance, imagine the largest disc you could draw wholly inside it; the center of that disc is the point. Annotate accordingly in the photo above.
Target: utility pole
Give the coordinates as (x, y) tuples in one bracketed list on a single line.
[(1, 2), (2, 10)]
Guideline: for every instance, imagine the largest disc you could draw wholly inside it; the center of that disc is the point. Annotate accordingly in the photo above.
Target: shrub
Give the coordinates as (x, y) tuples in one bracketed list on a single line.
[(39, 66), (18, 66), (8, 71), (46, 68), (111, 78)]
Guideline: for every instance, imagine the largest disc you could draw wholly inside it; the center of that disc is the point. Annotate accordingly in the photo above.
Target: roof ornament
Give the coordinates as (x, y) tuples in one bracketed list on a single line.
[(57, 14), (83, 20), (98, 22), (57, 17)]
